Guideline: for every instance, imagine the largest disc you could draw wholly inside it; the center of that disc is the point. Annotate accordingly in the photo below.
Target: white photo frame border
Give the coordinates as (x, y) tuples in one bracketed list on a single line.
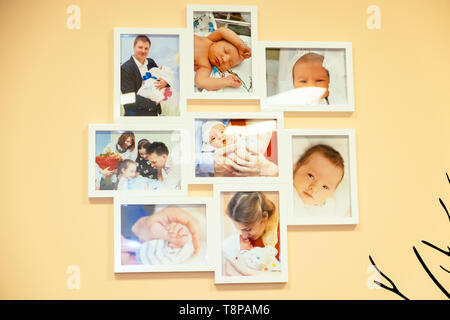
[(288, 134), (282, 172), (191, 94), (344, 108), (282, 190), (185, 156), (181, 33), (119, 201)]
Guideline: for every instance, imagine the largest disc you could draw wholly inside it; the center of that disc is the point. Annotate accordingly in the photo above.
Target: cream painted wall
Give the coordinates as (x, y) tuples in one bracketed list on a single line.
[(55, 81)]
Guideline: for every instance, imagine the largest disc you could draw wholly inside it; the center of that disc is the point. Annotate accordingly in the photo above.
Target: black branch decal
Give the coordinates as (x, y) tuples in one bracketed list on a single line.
[(394, 288)]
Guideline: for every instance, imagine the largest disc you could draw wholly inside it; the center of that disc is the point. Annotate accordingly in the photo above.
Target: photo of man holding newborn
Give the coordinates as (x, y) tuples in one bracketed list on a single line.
[(144, 85)]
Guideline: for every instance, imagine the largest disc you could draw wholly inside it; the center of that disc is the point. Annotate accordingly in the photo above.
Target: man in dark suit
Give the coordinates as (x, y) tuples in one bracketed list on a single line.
[(131, 73)]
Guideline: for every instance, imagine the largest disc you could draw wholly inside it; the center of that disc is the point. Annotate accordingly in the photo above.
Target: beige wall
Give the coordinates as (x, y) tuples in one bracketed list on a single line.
[(55, 81)]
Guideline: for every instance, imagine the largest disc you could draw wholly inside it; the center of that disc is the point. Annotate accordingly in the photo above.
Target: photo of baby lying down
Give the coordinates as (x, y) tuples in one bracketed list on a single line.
[(251, 234), (222, 52), (306, 77), (236, 147), (163, 235), (321, 178), (137, 161)]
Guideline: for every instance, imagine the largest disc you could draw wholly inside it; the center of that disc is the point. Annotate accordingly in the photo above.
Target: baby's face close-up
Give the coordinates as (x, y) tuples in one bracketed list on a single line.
[(217, 136), (311, 73), (129, 172), (317, 179), (224, 55)]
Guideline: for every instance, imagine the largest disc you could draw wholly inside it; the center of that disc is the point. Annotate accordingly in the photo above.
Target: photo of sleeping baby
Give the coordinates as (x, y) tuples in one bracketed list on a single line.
[(250, 234), (163, 235), (127, 160), (306, 77), (321, 178), (236, 148), (222, 52), (149, 75)]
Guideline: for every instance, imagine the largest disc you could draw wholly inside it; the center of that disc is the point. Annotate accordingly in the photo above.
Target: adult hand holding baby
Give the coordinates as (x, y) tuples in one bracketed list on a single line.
[(243, 162), (151, 227), (257, 161), (231, 166)]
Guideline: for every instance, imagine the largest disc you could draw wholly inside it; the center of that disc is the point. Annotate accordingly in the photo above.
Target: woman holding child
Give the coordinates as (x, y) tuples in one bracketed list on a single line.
[(256, 218)]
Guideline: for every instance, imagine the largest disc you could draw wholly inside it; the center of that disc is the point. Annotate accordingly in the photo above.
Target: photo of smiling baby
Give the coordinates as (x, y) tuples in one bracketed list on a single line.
[(321, 179), (222, 51), (309, 77)]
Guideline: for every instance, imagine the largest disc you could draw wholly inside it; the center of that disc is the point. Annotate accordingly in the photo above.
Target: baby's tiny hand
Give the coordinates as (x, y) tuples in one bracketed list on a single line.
[(245, 51), (178, 235), (160, 83), (233, 81)]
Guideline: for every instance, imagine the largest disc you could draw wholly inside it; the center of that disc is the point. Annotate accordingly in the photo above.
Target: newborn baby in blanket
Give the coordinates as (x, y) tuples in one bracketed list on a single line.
[(255, 136), (255, 258), (148, 89), (263, 259), (171, 245), (175, 248)]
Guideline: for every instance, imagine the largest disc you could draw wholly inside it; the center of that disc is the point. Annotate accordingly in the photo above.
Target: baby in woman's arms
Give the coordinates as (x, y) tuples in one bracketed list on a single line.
[(251, 258), (223, 49)]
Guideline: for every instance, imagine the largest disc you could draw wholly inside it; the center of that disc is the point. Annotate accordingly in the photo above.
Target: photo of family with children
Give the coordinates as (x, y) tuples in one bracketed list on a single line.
[(236, 148), (250, 233), (163, 235), (149, 75), (137, 160), (222, 51)]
